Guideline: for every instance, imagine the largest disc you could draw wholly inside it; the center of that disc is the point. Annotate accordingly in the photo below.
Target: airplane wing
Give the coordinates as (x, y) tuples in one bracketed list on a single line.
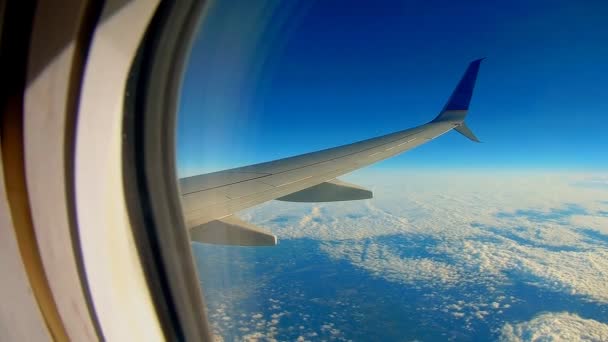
[(210, 200)]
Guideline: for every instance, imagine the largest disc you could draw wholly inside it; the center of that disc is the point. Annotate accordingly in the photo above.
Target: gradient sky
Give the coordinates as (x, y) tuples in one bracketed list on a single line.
[(270, 79)]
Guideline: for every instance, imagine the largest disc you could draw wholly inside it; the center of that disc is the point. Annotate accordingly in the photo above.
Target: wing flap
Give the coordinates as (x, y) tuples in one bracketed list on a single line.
[(232, 231), (331, 191)]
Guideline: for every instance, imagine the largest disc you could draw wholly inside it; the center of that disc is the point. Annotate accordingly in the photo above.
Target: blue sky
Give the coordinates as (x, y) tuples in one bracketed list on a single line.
[(270, 79)]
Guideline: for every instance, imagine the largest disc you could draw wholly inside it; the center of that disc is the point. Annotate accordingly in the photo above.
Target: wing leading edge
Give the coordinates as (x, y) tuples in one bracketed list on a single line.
[(209, 200)]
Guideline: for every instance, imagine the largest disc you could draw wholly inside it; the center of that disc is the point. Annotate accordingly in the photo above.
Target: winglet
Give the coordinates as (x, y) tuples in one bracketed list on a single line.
[(457, 107), (461, 97), (458, 104)]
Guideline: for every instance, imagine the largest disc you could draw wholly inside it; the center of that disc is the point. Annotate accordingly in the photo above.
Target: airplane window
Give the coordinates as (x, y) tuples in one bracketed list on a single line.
[(307, 220)]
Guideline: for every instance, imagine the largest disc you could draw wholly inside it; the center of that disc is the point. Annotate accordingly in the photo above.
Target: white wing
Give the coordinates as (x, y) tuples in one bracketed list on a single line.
[(209, 200)]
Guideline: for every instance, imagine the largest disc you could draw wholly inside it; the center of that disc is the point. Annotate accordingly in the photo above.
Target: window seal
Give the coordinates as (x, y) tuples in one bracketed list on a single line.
[(149, 170)]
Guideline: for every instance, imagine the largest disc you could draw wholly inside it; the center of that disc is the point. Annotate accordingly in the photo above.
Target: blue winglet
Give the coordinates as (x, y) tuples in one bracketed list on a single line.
[(456, 109), (461, 97)]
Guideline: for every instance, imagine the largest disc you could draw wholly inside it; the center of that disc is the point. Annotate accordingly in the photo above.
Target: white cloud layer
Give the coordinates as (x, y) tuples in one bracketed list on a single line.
[(461, 238), (383, 262), (555, 327), (546, 228)]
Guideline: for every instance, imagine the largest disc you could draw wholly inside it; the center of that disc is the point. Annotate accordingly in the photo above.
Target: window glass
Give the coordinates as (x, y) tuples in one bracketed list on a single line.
[(504, 240)]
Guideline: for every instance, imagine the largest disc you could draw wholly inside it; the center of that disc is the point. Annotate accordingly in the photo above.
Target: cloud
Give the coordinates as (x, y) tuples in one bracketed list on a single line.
[(595, 182), (462, 239), (484, 229), (595, 222), (382, 261), (561, 326), (581, 273), (306, 219)]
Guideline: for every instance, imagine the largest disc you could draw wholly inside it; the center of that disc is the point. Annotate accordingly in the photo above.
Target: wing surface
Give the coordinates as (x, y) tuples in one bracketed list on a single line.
[(215, 196)]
